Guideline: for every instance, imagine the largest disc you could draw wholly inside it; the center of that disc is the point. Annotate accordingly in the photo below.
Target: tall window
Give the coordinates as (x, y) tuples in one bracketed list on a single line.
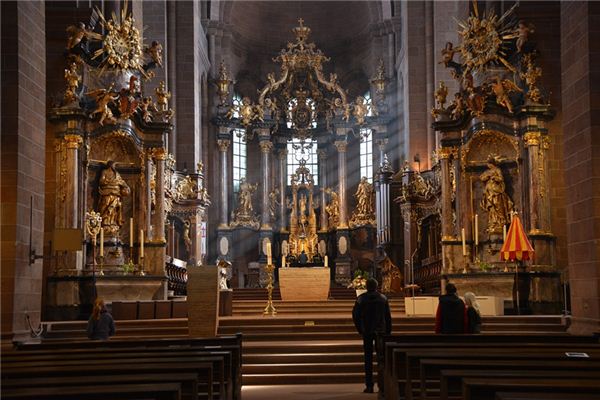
[(366, 146), (239, 150), (298, 151)]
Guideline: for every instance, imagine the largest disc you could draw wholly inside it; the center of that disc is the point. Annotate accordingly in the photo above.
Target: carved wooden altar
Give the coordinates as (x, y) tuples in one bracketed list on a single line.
[(303, 236)]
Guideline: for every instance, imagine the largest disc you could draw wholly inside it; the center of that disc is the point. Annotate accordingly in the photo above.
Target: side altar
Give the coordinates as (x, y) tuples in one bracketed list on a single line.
[(113, 179)]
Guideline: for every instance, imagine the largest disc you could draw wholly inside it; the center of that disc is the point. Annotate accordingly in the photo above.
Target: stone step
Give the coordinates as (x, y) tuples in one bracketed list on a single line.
[(311, 378), (302, 358), (305, 368)]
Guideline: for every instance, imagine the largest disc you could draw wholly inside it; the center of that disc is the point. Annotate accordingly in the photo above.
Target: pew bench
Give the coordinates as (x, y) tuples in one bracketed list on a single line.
[(163, 391), (486, 388), (545, 396)]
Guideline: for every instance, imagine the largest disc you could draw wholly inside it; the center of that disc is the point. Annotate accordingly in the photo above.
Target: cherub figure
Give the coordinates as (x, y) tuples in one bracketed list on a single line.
[(155, 52), (458, 106), (523, 31), (361, 109), (77, 33), (440, 95), (501, 89), (145, 107), (103, 98), (162, 97)]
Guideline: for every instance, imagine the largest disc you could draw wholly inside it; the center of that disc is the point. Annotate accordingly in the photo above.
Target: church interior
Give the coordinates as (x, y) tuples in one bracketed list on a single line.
[(227, 175)]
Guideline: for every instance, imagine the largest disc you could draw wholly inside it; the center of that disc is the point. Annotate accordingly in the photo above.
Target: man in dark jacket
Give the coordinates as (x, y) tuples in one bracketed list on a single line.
[(451, 315), (371, 316)]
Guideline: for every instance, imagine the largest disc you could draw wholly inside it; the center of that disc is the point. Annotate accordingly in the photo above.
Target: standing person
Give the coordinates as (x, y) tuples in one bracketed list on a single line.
[(371, 315), (101, 325), (473, 313), (451, 315)]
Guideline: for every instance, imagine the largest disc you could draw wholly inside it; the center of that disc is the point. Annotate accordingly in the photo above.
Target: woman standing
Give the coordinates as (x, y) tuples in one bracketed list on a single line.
[(473, 313), (101, 325)]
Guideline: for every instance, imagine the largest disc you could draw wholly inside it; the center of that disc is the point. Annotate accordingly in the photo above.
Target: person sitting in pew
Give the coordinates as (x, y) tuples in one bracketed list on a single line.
[(101, 324), (451, 315), (473, 313)]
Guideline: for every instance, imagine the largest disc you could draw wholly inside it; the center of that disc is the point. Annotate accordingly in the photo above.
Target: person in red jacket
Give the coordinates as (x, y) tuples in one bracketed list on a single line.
[(451, 315)]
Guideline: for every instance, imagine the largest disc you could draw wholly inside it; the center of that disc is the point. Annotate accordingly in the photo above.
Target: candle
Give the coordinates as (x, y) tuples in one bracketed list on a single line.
[(101, 242), (326, 261), (504, 233), (131, 232), (269, 259), (476, 230), (141, 243), (283, 261), (464, 242)]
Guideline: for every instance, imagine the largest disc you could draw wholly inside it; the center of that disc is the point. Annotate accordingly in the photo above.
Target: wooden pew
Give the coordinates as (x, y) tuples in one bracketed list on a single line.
[(431, 369), (188, 381), (545, 396), (202, 371), (231, 343), (532, 374), (163, 391), (486, 388)]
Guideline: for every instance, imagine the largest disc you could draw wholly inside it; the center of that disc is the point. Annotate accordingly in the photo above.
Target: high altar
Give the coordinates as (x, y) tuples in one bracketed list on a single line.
[(113, 180)]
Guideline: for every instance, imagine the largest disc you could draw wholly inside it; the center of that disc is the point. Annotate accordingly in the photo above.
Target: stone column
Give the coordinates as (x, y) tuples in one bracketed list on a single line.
[(282, 186), (158, 219), (536, 144), (323, 184), (341, 146), (224, 168), (265, 163)]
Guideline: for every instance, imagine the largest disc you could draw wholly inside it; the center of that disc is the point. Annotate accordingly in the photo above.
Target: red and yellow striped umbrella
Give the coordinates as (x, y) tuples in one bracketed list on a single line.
[(516, 246)]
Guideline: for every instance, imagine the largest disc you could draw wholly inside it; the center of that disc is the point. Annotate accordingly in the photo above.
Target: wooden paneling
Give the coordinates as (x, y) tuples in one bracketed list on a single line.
[(203, 301)]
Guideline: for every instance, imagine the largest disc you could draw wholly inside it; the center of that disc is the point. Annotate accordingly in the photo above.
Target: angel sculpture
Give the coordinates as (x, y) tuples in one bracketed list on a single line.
[(162, 97), (72, 78), (457, 106), (522, 32), (501, 89), (361, 110), (448, 58), (77, 33), (145, 108), (103, 98), (155, 52), (440, 95)]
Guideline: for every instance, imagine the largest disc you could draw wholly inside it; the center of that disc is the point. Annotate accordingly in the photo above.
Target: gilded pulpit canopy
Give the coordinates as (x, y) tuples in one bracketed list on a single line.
[(112, 188), (495, 200)]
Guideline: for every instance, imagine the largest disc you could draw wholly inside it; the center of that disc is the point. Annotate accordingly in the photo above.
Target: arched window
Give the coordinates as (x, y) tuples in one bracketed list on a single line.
[(366, 145), (298, 150), (239, 149)]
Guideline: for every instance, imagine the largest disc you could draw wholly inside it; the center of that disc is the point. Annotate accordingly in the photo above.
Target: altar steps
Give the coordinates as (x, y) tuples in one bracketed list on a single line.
[(335, 293), (254, 307)]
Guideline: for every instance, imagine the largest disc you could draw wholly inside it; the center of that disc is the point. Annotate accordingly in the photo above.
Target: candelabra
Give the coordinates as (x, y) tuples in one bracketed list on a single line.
[(101, 272), (141, 269), (270, 308)]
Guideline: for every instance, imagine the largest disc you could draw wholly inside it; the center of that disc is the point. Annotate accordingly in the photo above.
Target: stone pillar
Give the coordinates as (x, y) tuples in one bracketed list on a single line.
[(265, 164), (282, 154), (323, 184), (537, 145), (72, 143), (224, 168), (341, 146), (158, 219)]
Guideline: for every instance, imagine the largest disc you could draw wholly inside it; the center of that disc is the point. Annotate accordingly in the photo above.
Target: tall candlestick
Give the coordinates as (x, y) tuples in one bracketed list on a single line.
[(269, 259), (283, 261), (142, 243), (101, 242), (476, 230), (464, 242), (131, 232), (504, 233), (326, 261)]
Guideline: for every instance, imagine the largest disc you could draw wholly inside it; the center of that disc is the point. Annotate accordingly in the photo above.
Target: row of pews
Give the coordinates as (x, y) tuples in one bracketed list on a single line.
[(490, 367), (161, 369)]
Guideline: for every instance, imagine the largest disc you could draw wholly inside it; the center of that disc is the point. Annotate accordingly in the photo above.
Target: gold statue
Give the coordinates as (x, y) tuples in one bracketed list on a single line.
[(103, 98), (333, 208), (112, 188), (162, 97), (155, 53), (392, 277), (72, 78), (440, 95), (187, 240), (361, 110), (531, 75), (77, 33), (145, 107), (501, 89), (364, 213), (243, 215), (522, 32), (495, 200)]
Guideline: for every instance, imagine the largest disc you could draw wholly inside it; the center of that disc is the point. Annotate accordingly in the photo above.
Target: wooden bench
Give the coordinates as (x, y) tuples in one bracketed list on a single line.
[(545, 396), (188, 381), (486, 388), (162, 391)]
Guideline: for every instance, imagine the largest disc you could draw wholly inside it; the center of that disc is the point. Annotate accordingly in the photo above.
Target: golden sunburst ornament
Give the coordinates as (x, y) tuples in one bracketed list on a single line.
[(485, 39)]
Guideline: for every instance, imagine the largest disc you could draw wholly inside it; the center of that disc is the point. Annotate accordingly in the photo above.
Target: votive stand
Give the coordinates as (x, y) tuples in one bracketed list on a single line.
[(270, 308)]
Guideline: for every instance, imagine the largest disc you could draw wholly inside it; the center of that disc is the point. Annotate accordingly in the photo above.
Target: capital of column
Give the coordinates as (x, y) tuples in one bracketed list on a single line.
[(341, 145), (532, 138), (265, 146), (445, 153), (282, 154), (322, 154), (159, 153), (223, 144), (381, 143), (73, 141)]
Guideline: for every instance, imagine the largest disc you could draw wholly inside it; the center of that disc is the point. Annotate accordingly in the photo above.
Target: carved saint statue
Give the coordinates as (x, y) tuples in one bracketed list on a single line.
[(187, 240), (112, 189), (273, 203), (495, 200), (245, 197), (364, 197), (333, 208)]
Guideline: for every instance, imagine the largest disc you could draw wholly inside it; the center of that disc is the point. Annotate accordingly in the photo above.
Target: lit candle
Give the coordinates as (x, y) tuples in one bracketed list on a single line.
[(326, 261), (131, 232), (476, 230), (101, 242), (283, 261), (141, 243), (269, 259), (504, 233), (464, 242)]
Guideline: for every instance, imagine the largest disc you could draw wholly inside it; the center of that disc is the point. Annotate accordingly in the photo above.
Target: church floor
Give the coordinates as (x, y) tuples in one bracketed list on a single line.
[(349, 391)]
